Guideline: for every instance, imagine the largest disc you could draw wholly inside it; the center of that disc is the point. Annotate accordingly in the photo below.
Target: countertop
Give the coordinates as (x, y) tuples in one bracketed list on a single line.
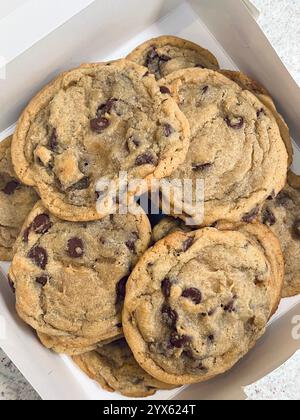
[(280, 19)]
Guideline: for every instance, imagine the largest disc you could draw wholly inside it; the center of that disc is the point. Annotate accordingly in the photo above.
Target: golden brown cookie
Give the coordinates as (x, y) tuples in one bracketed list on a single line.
[(166, 54), (236, 148), (197, 302), (70, 278), (16, 201), (115, 369), (92, 124)]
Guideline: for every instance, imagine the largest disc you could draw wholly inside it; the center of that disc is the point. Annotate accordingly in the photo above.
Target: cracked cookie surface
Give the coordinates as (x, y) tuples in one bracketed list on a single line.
[(70, 278), (92, 123), (16, 201), (245, 82), (115, 369), (166, 54), (282, 216), (236, 147), (197, 302)]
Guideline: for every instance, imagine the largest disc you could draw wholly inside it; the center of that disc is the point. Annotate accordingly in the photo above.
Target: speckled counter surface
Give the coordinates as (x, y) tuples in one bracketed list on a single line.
[(280, 19)]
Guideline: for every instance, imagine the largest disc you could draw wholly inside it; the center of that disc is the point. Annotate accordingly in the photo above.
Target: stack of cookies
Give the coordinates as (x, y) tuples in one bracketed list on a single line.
[(142, 309)]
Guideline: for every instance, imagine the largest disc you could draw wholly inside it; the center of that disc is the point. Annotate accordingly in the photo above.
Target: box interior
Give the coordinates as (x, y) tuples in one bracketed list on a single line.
[(109, 30)]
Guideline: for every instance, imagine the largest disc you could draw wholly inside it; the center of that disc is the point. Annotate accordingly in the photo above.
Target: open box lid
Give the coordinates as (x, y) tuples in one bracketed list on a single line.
[(67, 45)]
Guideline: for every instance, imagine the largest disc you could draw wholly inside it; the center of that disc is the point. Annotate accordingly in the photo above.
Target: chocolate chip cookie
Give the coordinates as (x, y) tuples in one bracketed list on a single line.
[(71, 346), (167, 54), (16, 201), (91, 124), (70, 278), (167, 226), (282, 215), (115, 369), (197, 302), (264, 96), (236, 147)]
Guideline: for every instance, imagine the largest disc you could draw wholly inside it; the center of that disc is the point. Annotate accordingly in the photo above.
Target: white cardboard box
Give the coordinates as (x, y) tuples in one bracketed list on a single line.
[(38, 40)]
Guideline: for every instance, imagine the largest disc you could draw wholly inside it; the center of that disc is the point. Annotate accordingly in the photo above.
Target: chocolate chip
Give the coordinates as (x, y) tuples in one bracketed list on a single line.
[(268, 217), (26, 234), (121, 290), (43, 280), (83, 184), (41, 224), (201, 166), (165, 90), (147, 74), (132, 241), (39, 256), (99, 124), (296, 228), (168, 130), (169, 316), (53, 143), (260, 112), (166, 287), (205, 89), (193, 294), (251, 216), (75, 247), (211, 338), (187, 244), (165, 58), (230, 305), (236, 122), (272, 196), (107, 107), (119, 325), (11, 187), (152, 55), (179, 341), (11, 284), (146, 159)]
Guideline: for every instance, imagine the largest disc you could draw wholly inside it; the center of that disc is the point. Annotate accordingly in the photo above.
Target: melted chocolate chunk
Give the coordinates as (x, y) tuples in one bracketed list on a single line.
[(165, 58), (193, 294), (179, 341), (146, 159), (75, 247), (151, 56), (53, 142), (165, 90), (235, 122), (268, 217), (107, 107), (11, 187), (132, 241), (251, 216), (121, 290), (41, 224), (168, 130), (99, 124), (43, 280), (201, 166), (230, 307), (166, 287), (39, 256), (170, 316)]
